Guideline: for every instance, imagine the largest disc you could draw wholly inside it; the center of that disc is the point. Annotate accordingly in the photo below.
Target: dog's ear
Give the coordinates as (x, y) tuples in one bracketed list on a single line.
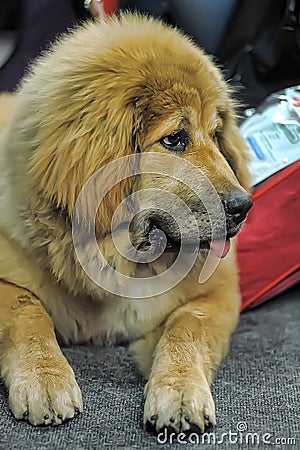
[(72, 147)]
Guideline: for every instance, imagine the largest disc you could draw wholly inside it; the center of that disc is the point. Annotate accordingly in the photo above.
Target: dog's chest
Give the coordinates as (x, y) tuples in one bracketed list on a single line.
[(114, 320)]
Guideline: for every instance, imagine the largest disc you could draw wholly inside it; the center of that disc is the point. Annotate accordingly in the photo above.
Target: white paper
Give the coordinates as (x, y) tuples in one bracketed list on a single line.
[(273, 136)]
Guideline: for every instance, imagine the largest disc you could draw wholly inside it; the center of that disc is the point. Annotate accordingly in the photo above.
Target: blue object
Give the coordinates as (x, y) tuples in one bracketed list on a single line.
[(257, 149)]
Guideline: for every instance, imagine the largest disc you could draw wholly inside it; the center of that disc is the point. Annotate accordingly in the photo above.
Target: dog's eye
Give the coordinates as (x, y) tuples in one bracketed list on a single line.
[(176, 142)]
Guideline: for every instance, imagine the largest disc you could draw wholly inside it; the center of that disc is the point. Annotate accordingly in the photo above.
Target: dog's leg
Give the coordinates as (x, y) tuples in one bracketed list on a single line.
[(42, 387), (194, 342)]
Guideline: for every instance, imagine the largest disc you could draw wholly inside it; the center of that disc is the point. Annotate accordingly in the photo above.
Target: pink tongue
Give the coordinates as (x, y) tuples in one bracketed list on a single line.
[(220, 248)]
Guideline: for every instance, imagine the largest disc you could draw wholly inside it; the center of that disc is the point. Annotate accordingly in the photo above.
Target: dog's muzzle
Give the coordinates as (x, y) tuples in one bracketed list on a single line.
[(149, 224)]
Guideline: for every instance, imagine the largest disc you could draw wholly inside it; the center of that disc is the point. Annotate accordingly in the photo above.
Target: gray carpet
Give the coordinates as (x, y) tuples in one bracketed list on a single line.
[(257, 387)]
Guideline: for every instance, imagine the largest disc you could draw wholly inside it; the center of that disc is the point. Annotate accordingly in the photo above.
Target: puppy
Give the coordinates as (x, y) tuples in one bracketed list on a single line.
[(139, 105)]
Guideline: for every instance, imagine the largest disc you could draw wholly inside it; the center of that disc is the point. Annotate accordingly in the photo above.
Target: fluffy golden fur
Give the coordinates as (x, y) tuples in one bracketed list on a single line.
[(105, 91)]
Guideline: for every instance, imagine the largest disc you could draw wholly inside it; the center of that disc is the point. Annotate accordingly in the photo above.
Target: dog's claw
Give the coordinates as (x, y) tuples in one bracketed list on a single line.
[(150, 426), (194, 429)]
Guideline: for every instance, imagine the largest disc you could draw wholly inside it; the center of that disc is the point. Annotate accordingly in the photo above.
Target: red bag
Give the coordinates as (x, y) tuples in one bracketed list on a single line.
[(110, 6), (269, 242)]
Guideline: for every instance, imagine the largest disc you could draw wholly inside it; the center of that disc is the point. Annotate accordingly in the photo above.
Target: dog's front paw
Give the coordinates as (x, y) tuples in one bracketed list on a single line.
[(47, 394), (184, 407)]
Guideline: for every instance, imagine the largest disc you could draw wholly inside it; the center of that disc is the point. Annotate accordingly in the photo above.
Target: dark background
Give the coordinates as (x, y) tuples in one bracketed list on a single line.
[(256, 42)]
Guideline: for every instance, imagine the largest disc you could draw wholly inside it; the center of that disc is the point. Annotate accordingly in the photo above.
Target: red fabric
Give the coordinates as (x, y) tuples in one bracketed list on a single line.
[(269, 242), (110, 6)]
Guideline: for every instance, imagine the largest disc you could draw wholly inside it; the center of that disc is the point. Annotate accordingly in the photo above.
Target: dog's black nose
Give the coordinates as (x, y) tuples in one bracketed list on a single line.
[(237, 204)]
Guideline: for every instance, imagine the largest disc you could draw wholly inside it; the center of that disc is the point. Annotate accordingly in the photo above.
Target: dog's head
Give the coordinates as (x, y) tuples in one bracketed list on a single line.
[(135, 86)]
